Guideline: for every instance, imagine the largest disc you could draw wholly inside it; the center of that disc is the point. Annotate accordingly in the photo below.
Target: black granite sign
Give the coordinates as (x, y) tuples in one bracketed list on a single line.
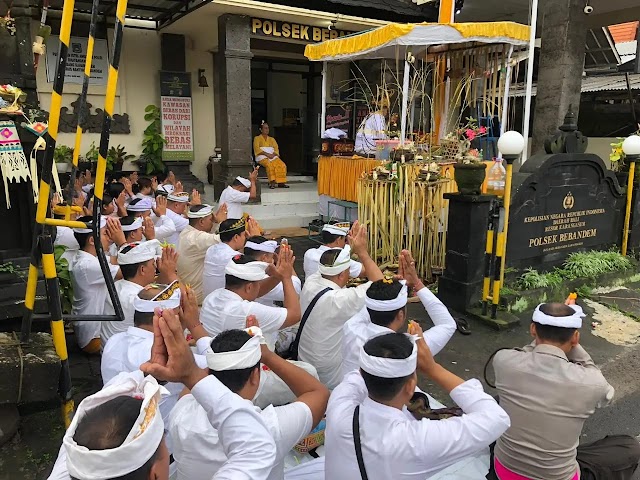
[(175, 84), (563, 203)]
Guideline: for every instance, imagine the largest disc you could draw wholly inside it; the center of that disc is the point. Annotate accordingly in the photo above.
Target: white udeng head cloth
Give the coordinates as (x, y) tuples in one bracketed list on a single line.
[(269, 246), (205, 211), (166, 189), (573, 321), (388, 305), (137, 223), (139, 446), (244, 181), (167, 299), (180, 197), (341, 229), (141, 205), (342, 263), (251, 272), (141, 252), (103, 223), (246, 356), (390, 367)]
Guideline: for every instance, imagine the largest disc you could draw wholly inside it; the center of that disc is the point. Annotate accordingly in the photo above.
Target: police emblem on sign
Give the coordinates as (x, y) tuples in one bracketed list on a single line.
[(76, 47), (568, 202)]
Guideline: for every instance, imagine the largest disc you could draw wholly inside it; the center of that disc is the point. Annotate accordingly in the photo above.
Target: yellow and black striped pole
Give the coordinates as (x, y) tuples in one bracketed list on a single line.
[(490, 255), (82, 115), (46, 175), (98, 189), (627, 214), (43, 243)]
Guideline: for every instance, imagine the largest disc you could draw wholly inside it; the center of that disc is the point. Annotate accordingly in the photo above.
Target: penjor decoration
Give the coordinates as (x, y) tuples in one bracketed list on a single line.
[(40, 129), (13, 162)]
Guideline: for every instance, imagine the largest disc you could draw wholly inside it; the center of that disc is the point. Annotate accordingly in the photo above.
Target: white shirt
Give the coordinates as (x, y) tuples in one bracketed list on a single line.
[(197, 449), (246, 441), (126, 351), (372, 128), (312, 262), (164, 227), (234, 200), (225, 310), (396, 445), (89, 294), (277, 293), (65, 237), (321, 338), (180, 222), (127, 291), (192, 247), (215, 262), (359, 329)]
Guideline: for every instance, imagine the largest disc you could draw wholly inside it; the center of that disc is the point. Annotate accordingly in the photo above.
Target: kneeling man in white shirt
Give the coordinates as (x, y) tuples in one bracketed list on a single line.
[(234, 358), (386, 311), (370, 433)]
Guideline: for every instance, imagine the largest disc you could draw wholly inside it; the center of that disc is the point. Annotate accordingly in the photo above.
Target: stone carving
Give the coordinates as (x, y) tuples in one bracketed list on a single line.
[(569, 139), (91, 122)]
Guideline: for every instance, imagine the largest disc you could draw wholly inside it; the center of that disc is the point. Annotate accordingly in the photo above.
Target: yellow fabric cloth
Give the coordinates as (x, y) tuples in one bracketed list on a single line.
[(372, 39), (92, 347), (276, 168), (338, 176)]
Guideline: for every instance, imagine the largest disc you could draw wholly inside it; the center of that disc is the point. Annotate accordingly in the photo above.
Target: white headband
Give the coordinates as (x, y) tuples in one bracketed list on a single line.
[(134, 226), (343, 231), (244, 181), (390, 367), (388, 305), (572, 321), (165, 300), (139, 446), (246, 356), (141, 252), (141, 205), (103, 223), (342, 262), (167, 189), (203, 212), (269, 246), (251, 272), (180, 197)]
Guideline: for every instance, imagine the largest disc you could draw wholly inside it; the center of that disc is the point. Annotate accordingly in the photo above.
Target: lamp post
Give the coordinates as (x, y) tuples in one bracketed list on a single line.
[(631, 149), (511, 145)]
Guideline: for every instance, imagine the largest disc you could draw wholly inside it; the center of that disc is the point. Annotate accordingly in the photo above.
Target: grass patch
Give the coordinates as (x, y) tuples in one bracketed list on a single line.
[(577, 265), (584, 291), (595, 263), (507, 291), (519, 305)]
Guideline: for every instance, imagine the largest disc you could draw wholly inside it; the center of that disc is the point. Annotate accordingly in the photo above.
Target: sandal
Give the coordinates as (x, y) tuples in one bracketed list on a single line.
[(272, 187), (283, 185), (463, 326)]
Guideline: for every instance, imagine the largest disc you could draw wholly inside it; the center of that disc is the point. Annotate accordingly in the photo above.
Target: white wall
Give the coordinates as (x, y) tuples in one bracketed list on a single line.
[(600, 146), (138, 86)]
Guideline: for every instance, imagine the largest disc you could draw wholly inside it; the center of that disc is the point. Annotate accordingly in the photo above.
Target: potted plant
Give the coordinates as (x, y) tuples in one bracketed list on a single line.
[(469, 169), (92, 154), (63, 156), (116, 157), (152, 143)]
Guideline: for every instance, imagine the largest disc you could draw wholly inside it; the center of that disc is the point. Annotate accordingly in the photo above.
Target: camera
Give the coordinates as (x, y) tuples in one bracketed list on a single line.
[(588, 9)]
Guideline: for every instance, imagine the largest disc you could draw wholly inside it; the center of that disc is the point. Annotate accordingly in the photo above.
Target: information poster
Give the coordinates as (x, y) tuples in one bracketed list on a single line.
[(177, 128), (76, 59)]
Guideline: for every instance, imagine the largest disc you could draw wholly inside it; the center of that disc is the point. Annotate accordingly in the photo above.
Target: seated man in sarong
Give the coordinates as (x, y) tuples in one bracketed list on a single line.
[(267, 153), (549, 388)]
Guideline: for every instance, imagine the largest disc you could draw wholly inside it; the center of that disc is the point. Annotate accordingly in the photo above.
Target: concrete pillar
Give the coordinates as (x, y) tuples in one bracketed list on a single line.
[(564, 29), (234, 84)]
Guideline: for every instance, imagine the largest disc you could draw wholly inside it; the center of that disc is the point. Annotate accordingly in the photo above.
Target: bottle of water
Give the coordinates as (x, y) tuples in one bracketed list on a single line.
[(496, 178)]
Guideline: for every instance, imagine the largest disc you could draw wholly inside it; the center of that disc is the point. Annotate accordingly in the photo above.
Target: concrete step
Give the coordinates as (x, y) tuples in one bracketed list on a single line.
[(287, 221), (291, 179)]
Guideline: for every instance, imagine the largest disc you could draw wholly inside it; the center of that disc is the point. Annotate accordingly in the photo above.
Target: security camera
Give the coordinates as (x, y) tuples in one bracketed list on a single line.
[(332, 26), (588, 9)]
